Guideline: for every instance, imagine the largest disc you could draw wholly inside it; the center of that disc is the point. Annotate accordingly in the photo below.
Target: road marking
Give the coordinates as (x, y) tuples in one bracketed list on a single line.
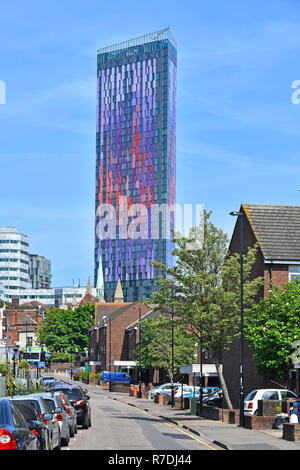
[(171, 425)]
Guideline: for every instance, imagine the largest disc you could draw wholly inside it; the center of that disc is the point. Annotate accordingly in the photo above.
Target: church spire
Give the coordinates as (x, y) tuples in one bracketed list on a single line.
[(88, 290), (119, 292), (100, 283)]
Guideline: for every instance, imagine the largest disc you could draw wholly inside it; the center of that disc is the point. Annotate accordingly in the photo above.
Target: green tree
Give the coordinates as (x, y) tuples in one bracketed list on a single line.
[(272, 327), (67, 330), (156, 346), (5, 371), (204, 289)]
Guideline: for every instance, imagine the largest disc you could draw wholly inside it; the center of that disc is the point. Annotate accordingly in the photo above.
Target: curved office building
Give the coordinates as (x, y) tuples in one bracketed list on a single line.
[(14, 261)]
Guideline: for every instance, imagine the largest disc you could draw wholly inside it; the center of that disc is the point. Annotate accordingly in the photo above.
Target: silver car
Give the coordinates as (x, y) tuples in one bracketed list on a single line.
[(70, 410), (57, 408), (42, 407)]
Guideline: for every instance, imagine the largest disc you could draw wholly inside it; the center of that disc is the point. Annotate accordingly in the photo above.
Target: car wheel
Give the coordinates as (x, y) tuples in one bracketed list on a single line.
[(65, 441), (86, 423), (58, 447), (72, 431), (90, 421)]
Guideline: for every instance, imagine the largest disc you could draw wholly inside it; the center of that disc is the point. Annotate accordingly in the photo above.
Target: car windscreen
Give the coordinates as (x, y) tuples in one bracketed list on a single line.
[(251, 395), (46, 406), (74, 394), (51, 404), (27, 409)]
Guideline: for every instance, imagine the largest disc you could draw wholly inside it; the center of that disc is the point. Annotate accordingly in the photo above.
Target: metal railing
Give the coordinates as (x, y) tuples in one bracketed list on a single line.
[(164, 34)]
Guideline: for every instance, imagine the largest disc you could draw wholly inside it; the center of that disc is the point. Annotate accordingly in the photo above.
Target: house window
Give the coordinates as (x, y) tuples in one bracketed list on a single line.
[(294, 271), (28, 341)]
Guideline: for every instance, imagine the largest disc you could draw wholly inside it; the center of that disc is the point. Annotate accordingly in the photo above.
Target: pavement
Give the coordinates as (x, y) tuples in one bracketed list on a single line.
[(223, 435)]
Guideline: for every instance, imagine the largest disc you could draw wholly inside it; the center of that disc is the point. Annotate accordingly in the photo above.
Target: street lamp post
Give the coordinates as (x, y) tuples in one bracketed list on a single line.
[(201, 378), (240, 216), (140, 352), (172, 355), (109, 364)]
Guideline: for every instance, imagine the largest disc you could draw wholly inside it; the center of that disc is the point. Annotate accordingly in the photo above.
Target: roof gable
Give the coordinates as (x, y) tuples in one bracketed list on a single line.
[(276, 229)]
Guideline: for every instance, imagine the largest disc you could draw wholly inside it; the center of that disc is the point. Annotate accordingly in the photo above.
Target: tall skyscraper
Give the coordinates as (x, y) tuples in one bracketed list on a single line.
[(135, 165)]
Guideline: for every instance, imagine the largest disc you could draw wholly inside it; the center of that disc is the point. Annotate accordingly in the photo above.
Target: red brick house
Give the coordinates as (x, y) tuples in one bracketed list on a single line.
[(22, 319), (276, 230), (108, 339)]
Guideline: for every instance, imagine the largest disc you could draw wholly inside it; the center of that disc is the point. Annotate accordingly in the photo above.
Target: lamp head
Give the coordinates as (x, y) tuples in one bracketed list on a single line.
[(236, 213)]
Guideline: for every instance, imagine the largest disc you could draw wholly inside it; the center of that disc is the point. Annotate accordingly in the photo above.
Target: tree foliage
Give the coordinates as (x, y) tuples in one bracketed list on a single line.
[(273, 326), (156, 346), (67, 330), (204, 289)]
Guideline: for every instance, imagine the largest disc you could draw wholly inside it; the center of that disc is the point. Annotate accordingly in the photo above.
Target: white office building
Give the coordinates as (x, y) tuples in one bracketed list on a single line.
[(14, 261), (19, 274)]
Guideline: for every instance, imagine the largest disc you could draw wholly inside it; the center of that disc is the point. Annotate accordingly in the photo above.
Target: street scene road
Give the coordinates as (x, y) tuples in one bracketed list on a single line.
[(119, 426)]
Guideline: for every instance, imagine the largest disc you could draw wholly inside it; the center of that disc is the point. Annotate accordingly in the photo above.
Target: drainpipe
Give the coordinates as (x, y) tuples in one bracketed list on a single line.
[(270, 275)]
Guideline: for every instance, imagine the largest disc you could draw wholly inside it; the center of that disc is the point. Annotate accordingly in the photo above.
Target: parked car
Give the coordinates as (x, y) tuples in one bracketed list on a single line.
[(46, 383), (53, 385), (210, 389), (113, 377), (42, 407), (164, 388), (57, 408), (80, 400), (70, 411), (36, 423), (214, 398), (45, 378), (187, 391), (14, 431), (251, 400)]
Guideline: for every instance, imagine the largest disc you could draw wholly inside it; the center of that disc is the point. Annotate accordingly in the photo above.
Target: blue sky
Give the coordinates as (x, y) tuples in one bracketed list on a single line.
[(238, 132)]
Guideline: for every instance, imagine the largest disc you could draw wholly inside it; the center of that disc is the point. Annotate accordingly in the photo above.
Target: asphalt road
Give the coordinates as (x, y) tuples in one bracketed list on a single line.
[(118, 426)]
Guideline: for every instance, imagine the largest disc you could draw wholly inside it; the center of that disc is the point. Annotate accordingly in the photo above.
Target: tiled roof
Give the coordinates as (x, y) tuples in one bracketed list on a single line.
[(277, 230)]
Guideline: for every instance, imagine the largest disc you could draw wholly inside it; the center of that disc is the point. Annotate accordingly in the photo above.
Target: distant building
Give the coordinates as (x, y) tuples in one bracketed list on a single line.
[(20, 271), (14, 261), (56, 296), (20, 322), (40, 272), (3, 296)]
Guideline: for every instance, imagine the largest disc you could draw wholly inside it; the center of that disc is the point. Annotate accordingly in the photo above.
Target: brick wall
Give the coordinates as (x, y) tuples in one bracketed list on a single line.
[(118, 328), (112, 343), (16, 317)]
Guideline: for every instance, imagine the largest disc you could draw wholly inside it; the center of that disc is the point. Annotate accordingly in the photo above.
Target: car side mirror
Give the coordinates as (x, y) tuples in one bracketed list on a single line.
[(47, 417), (32, 425), (88, 397), (57, 410)]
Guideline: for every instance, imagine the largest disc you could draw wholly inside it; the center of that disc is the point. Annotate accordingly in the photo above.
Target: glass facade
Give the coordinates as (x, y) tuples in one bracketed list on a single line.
[(135, 162)]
